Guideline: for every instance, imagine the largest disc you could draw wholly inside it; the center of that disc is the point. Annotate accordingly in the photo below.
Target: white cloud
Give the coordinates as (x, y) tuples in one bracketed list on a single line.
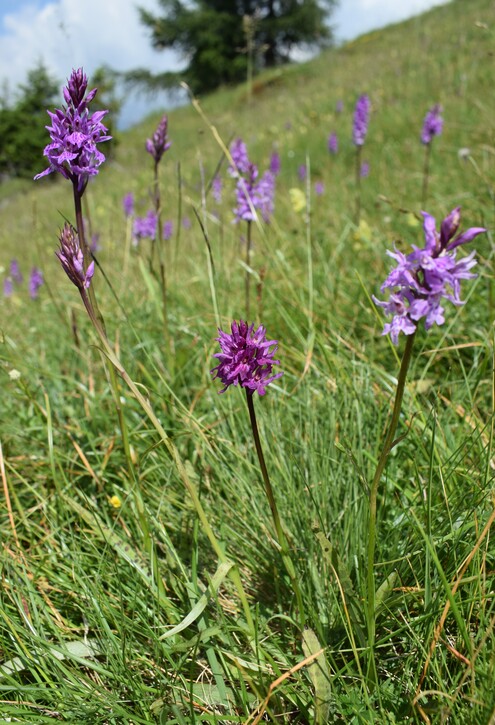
[(353, 17), (67, 34)]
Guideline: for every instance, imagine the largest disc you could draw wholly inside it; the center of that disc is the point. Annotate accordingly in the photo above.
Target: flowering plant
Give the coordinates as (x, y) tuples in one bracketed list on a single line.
[(246, 358), (251, 194), (361, 119), (75, 133), (424, 278), (159, 143), (432, 124), (71, 258)]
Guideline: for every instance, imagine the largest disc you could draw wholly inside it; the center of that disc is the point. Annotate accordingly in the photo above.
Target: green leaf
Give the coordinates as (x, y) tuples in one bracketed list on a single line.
[(202, 602), (320, 675)]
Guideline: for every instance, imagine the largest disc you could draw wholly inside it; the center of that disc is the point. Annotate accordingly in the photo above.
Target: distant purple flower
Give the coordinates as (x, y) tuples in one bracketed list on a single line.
[(251, 195), (72, 259), (264, 196), (145, 227), (333, 143), (319, 188), (158, 143), (275, 163), (8, 287), (128, 204), (15, 272), (361, 120), (167, 230), (425, 277), (186, 222), (36, 280), (302, 172), (432, 124), (216, 188), (246, 358), (364, 171), (75, 133), (339, 106), (245, 190), (95, 243)]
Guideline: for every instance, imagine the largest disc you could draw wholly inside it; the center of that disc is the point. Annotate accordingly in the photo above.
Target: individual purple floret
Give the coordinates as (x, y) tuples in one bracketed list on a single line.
[(75, 133), (15, 272), (8, 287), (364, 170), (216, 188), (333, 143), (432, 124), (36, 280), (238, 151), (72, 259), (128, 204), (244, 192), (425, 277), (275, 163), (246, 358), (264, 196), (167, 229), (319, 188), (95, 243), (145, 227), (158, 143), (361, 120)]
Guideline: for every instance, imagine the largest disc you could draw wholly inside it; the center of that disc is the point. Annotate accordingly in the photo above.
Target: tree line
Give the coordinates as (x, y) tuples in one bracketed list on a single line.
[(221, 41)]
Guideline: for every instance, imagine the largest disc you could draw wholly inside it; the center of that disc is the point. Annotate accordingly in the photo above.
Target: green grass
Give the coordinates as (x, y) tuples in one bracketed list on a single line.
[(89, 590)]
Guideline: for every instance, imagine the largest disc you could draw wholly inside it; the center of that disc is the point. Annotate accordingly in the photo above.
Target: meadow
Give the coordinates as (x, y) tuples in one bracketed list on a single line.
[(145, 576)]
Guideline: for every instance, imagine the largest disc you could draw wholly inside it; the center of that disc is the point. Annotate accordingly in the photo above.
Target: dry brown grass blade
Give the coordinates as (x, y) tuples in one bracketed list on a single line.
[(254, 718), (8, 503), (441, 623)]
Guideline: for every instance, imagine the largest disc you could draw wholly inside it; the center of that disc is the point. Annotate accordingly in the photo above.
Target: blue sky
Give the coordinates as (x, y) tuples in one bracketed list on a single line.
[(66, 34)]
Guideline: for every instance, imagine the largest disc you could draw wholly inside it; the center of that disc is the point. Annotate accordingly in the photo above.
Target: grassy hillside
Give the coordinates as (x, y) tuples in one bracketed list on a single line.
[(143, 578)]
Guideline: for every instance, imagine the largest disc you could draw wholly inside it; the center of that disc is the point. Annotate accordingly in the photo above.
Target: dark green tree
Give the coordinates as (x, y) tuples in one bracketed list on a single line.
[(22, 125), (107, 98), (216, 36)]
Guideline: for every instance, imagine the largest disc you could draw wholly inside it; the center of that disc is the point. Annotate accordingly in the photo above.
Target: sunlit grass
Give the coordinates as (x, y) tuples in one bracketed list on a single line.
[(83, 617)]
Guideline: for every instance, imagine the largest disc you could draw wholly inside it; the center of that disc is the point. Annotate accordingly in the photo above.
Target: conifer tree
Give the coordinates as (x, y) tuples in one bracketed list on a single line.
[(216, 36)]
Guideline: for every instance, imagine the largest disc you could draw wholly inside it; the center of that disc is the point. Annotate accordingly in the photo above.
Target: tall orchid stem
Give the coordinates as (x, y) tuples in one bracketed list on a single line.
[(248, 267), (80, 231), (84, 246), (358, 184), (161, 253), (174, 454), (282, 538), (387, 447), (90, 302), (426, 174)]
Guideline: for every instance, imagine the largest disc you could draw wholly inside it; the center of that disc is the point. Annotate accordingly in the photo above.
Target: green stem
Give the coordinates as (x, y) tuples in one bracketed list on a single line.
[(426, 174), (161, 253), (358, 184), (282, 538), (248, 267), (96, 315), (174, 453), (85, 248), (387, 447)]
